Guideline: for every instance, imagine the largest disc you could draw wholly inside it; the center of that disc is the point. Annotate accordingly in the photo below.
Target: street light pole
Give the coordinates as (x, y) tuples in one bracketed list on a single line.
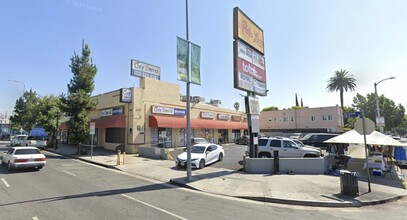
[(377, 101), (16, 81)]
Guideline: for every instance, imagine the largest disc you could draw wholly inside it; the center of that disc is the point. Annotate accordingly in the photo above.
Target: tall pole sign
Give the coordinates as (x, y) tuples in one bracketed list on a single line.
[(249, 69)]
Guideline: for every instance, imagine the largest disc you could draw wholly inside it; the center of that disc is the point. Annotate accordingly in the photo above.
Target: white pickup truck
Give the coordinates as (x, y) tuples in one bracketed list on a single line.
[(286, 148)]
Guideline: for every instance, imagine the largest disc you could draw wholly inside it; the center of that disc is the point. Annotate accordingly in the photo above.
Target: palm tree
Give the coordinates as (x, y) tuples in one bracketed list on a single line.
[(341, 82)]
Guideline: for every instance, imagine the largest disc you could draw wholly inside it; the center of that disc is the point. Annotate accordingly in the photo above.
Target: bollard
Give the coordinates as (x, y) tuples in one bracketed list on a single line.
[(168, 155), (118, 157), (124, 157)]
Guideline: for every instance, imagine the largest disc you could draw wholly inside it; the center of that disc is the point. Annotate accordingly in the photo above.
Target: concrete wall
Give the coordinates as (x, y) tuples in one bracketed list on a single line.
[(152, 152), (297, 165)]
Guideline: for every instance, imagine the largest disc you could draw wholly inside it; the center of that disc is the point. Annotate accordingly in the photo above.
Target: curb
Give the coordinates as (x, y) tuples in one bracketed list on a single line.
[(81, 159)]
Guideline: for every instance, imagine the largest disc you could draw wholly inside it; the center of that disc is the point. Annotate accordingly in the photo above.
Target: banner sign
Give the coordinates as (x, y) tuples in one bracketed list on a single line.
[(140, 69), (168, 110), (244, 28), (208, 115), (195, 64), (111, 111), (182, 59), (125, 95)]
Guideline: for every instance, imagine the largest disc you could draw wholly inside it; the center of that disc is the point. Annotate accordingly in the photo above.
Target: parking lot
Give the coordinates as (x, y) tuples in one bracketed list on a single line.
[(233, 156)]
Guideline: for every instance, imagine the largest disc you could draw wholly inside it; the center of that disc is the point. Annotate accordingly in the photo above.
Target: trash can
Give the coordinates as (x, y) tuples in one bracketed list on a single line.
[(349, 183)]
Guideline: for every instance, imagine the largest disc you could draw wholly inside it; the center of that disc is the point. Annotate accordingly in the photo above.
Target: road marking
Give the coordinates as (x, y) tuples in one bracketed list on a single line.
[(5, 182), (35, 218), (154, 207), (68, 173)]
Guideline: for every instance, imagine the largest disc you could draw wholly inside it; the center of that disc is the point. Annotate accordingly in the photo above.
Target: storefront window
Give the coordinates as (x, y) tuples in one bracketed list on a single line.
[(115, 135)]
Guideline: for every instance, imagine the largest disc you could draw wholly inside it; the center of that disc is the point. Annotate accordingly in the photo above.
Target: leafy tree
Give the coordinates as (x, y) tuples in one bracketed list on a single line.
[(296, 107), (48, 111), (78, 101), (341, 82), (25, 111), (393, 114), (270, 108)]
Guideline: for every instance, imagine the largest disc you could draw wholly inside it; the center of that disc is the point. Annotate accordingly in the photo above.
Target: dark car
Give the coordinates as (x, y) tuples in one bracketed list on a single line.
[(317, 139), (5, 137), (242, 140)]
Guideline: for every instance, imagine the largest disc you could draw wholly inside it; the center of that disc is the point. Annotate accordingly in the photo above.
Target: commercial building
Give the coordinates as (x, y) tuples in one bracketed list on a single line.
[(305, 120), (155, 115)]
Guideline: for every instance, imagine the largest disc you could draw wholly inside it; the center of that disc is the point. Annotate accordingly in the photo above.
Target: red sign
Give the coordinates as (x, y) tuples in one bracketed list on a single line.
[(250, 69)]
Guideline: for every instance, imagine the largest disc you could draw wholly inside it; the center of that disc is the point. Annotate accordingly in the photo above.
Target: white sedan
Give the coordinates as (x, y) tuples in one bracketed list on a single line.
[(201, 155), (23, 157)]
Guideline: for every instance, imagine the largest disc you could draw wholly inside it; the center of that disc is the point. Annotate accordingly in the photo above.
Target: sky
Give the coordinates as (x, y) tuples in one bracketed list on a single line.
[(305, 43)]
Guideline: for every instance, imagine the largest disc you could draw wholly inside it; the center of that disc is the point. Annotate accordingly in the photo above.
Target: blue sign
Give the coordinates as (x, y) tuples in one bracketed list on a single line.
[(180, 112), (352, 114)]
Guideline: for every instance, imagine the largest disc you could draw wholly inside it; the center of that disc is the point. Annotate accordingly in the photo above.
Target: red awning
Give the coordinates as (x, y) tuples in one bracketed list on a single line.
[(174, 122), (110, 122)]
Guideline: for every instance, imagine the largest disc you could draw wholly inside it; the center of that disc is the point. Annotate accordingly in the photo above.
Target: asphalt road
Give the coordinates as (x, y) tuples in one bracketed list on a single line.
[(233, 156), (70, 189)]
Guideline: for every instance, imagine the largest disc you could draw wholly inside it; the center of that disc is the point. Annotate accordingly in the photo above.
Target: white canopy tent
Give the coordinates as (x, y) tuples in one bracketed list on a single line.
[(375, 138)]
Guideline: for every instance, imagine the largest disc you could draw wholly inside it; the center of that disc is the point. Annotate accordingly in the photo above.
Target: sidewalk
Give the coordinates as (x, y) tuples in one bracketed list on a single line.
[(311, 190)]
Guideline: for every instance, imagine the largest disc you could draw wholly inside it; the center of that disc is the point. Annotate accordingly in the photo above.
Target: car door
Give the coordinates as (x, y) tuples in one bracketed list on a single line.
[(276, 145), (291, 149), (211, 153), (7, 155)]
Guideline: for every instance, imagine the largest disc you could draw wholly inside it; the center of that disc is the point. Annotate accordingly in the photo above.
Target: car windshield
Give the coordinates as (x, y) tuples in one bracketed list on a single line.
[(299, 143), (200, 140), (198, 149), (27, 151)]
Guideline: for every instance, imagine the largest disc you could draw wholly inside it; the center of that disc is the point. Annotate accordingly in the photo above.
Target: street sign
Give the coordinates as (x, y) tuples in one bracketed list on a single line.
[(352, 114), (369, 125), (92, 128)]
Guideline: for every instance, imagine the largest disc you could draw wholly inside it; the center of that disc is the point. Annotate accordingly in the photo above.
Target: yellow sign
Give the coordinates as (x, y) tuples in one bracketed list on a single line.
[(247, 30)]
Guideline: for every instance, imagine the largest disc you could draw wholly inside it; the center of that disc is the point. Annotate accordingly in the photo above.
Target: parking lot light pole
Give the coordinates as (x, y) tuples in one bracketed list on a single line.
[(377, 100)]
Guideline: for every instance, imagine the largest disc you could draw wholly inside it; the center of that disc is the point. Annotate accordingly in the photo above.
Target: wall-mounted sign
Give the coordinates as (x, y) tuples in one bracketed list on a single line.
[(167, 110), (236, 118), (244, 28), (125, 95), (111, 111), (208, 115), (223, 117), (141, 69)]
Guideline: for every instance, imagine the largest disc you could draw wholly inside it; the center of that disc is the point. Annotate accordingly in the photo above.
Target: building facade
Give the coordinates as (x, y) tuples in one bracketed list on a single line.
[(305, 120), (157, 117)]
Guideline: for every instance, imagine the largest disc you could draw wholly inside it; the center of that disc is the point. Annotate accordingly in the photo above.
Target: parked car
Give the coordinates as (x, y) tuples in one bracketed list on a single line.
[(29, 141), (202, 155), (317, 139), (198, 141), (243, 140), (286, 148), (5, 137), (41, 143), (23, 157), (16, 141)]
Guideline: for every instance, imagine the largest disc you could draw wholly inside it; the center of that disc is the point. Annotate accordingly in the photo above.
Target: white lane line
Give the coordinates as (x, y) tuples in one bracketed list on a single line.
[(35, 218), (154, 207), (5, 182), (68, 173)]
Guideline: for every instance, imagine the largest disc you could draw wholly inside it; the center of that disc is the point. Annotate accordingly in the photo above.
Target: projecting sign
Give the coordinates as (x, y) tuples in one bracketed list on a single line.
[(125, 95), (141, 69)]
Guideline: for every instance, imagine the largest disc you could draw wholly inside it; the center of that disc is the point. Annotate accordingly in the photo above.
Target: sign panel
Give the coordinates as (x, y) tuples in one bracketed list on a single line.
[(244, 28), (125, 95), (254, 105), (182, 59), (167, 110), (249, 67), (111, 111), (380, 121), (141, 69), (369, 125), (92, 126), (352, 114), (210, 115), (223, 117), (195, 64), (236, 118)]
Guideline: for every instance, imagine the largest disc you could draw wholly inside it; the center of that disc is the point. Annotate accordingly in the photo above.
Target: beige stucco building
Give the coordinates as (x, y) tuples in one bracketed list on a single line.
[(157, 117), (305, 120)]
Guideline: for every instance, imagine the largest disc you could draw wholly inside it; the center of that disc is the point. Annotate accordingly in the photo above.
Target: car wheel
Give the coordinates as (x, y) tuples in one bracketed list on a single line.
[(201, 164), (220, 157), (265, 156), (39, 168)]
